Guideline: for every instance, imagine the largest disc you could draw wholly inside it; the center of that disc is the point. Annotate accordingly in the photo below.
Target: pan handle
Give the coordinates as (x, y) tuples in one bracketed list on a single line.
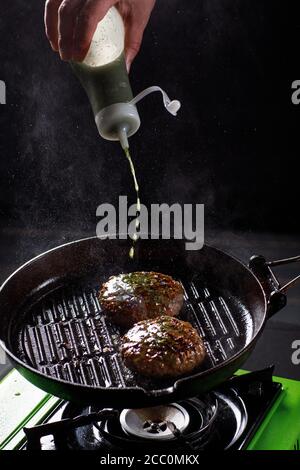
[(276, 294)]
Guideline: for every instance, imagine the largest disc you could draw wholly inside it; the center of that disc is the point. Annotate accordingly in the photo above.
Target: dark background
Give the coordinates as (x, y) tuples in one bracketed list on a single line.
[(233, 146), (230, 146)]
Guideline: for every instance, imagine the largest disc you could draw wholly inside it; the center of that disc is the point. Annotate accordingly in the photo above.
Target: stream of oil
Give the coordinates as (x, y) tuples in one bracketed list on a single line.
[(138, 202)]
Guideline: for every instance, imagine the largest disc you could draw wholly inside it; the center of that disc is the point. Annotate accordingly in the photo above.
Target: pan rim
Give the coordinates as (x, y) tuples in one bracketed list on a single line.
[(154, 393)]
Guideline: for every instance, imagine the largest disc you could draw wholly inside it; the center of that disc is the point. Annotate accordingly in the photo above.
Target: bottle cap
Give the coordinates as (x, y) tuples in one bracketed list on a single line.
[(121, 120), (118, 122)]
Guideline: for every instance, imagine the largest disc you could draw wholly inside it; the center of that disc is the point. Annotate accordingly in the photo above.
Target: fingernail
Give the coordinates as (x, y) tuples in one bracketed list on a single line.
[(128, 65), (64, 56), (53, 47)]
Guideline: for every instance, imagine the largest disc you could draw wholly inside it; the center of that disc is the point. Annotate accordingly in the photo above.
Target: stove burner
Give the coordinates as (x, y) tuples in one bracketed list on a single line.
[(156, 428), (156, 423), (215, 421), (224, 419)]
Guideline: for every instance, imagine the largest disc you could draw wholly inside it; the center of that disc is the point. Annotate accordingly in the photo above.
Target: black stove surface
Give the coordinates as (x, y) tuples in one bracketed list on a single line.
[(227, 418)]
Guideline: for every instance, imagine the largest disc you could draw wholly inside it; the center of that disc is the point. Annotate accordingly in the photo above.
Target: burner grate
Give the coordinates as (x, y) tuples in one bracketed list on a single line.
[(67, 335)]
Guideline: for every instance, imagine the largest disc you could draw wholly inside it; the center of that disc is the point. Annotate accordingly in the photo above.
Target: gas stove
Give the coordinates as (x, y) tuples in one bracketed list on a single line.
[(251, 411)]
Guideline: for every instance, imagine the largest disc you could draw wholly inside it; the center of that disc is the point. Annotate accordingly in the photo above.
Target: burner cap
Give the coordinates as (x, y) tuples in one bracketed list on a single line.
[(154, 423)]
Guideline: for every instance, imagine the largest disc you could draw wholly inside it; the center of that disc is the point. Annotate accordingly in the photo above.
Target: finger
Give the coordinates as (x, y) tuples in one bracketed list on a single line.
[(51, 22), (88, 18), (133, 41), (135, 23), (67, 16)]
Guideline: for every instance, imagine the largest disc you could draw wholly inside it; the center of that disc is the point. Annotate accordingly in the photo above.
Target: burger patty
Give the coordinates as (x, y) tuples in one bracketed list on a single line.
[(162, 347), (130, 298)]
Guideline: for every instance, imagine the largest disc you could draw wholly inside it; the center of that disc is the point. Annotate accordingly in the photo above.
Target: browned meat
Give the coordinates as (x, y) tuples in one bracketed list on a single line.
[(130, 298), (163, 347)]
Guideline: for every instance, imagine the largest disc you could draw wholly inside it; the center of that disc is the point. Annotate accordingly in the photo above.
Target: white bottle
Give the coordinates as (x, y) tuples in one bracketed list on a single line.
[(104, 76)]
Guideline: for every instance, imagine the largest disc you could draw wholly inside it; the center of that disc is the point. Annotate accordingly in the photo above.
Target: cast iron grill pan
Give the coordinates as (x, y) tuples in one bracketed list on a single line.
[(55, 333), (66, 335)]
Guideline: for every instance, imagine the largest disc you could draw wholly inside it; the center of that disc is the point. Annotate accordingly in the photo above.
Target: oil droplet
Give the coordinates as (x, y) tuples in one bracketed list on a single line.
[(136, 186), (138, 202)]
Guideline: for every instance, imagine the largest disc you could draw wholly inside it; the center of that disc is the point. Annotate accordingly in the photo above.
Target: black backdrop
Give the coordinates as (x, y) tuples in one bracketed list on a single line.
[(232, 147)]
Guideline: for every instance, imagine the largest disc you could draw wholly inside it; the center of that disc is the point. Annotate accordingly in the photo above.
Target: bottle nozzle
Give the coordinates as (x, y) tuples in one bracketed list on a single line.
[(123, 138)]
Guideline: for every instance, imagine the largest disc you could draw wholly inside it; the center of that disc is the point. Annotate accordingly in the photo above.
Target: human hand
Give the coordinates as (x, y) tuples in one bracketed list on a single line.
[(70, 24)]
